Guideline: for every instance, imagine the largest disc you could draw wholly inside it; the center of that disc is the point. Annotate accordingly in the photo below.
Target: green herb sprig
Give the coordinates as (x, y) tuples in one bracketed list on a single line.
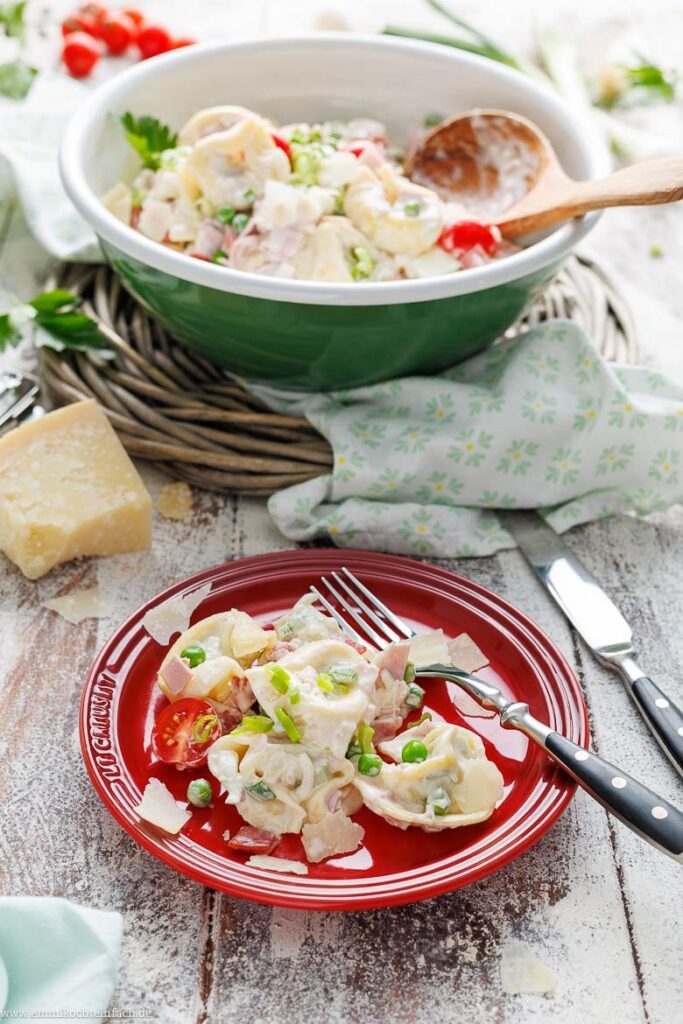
[(16, 76), (149, 138), (63, 326)]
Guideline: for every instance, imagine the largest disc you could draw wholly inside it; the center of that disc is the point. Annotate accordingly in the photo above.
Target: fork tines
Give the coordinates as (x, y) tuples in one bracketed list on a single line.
[(364, 608)]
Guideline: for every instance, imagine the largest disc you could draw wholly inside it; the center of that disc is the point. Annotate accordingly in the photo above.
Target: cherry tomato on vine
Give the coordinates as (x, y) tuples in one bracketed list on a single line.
[(118, 32), (80, 54), (153, 40)]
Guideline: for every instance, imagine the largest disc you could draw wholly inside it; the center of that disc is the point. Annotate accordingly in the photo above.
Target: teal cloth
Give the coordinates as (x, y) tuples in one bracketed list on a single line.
[(57, 956)]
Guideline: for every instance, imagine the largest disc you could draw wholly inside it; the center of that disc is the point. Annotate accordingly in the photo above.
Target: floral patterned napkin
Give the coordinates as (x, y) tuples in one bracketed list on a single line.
[(539, 422)]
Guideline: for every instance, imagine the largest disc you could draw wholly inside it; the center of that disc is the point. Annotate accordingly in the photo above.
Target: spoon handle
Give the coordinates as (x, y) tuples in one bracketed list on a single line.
[(644, 184)]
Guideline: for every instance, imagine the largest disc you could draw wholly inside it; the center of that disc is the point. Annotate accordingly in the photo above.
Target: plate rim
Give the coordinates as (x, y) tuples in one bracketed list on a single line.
[(301, 892)]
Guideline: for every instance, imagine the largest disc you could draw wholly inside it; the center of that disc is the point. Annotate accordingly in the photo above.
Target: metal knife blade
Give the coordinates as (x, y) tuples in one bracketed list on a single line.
[(578, 594)]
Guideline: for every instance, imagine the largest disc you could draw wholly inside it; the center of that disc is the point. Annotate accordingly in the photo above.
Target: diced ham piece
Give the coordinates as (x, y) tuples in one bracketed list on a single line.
[(176, 673), (386, 727), (242, 695), (253, 840), (394, 659), (209, 238)]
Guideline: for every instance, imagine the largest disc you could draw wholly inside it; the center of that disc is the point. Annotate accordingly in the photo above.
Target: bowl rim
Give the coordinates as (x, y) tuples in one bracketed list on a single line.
[(108, 228)]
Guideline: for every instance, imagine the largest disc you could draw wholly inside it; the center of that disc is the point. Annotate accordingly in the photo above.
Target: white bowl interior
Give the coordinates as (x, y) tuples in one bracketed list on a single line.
[(308, 79)]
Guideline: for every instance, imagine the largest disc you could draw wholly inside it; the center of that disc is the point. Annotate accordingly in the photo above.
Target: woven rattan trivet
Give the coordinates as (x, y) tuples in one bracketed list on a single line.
[(173, 408)]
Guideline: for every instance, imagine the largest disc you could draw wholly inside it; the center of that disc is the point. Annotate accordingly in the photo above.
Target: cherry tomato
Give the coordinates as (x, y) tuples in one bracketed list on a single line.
[(465, 234), (153, 40), (253, 840), (281, 142), (93, 15), (80, 54), (118, 32), (184, 731), (355, 146), (178, 44), (76, 23), (136, 16)]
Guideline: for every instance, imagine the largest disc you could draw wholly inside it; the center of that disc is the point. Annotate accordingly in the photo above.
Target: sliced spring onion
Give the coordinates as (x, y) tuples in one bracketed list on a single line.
[(365, 734), (249, 196), (226, 213), (415, 696), (261, 790), (439, 800), (344, 674), (409, 672), (414, 752), (279, 677), (363, 263), (369, 764), (220, 254), (203, 727), (288, 725), (253, 723), (195, 654), (353, 750), (294, 696), (325, 682), (412, 209), (199, 793), (424, 717)]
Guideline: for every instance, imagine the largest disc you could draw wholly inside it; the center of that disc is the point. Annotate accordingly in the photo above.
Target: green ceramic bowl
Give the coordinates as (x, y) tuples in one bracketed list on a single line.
[(308, 334)]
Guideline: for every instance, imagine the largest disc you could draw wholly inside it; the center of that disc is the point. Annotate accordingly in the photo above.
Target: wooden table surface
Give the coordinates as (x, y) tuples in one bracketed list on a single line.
[(591, 902)]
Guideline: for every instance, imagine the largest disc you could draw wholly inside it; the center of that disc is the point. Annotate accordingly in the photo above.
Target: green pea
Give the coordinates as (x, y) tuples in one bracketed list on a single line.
[(195, 654), (369, 764), (409, 672), (439, 801), (225, 214), (199, 793), (240, 221), (414, 752)]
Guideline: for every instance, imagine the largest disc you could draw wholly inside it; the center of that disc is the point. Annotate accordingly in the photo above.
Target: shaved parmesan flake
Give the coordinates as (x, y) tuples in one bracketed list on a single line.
[(79, 605), (175, 501), (429, 649), (522, 971), (334, 834), (293, 867), (159, 808), (173, 616), (464, 654)]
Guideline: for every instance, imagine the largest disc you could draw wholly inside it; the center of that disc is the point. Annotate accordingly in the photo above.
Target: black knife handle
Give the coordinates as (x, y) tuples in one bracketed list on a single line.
[(663, 716), (637, 806)]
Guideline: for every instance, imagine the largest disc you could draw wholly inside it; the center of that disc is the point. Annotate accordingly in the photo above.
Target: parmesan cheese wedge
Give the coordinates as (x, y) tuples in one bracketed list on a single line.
[(68, 488), (292, 867), (159, 808)]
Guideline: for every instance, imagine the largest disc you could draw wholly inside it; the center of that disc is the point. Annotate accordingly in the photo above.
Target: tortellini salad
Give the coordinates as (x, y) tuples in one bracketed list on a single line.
[(298, 726), (316, 202)]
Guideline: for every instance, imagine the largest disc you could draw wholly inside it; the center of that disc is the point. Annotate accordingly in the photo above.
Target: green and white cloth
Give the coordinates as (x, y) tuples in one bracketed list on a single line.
[(542, 421)]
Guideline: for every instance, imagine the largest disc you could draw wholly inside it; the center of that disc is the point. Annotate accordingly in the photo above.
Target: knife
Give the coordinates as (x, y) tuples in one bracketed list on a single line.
[(599, 622)]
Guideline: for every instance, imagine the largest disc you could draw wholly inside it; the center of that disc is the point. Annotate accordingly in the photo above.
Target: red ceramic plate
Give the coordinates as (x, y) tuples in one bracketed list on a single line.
[(121, 700)]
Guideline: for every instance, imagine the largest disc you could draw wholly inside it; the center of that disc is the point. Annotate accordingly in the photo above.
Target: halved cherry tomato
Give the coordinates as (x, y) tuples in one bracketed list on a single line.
[(465, 234), (281, 142), (253, 840), (80, 53), (118, 32), (184, 731), (136, 16), (178, 44), (153, 40)]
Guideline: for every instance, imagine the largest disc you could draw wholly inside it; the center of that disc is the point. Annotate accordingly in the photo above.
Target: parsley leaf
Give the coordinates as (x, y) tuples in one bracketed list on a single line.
[(149, 138), (12, 20), (62, 325), (16, 78), (9, 334)]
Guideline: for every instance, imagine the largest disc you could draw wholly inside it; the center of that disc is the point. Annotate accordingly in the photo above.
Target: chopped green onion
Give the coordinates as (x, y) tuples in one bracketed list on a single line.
[(325, 682), (424, 717), (219, 255), (225, 214), (415, 696), (343, 674), (363, 263), (431, 120), (414, 752), (203, 727), (409, 672), (239, 222), (439, 800), (261, 791), (294, 696), (195, 654), (249, 196), (279, 677), (353, 750), (199, 793), (365, 734), (369, 764), (412, 209), (288, 725), (253, 723)]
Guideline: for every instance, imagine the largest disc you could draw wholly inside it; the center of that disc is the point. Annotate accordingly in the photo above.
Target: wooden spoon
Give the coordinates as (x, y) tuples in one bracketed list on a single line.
[(503, 170)]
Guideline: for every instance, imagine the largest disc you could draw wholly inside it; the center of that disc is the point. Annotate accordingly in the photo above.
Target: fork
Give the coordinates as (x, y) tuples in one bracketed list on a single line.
[(19, 395), (641, 810)]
